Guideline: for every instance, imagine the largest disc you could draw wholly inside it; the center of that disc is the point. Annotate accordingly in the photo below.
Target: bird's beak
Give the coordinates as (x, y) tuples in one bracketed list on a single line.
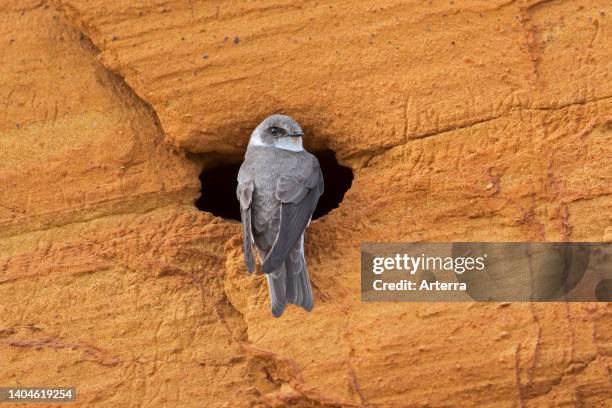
[(296, 135)]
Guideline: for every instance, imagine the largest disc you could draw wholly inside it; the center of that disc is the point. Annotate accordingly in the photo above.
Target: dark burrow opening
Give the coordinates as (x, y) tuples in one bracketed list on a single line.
[(219, 187)]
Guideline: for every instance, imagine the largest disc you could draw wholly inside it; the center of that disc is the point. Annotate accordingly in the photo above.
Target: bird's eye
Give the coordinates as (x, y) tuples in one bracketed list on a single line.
[(274, 130)]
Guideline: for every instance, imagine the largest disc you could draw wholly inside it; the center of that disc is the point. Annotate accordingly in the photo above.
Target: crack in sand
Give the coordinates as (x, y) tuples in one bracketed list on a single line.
[(475, 123)]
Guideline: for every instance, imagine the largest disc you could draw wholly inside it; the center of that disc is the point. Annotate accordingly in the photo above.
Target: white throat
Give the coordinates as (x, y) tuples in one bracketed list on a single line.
[(291, 143)]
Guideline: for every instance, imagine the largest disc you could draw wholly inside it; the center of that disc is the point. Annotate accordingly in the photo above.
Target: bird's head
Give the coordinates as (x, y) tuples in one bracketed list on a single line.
[(279, 131)]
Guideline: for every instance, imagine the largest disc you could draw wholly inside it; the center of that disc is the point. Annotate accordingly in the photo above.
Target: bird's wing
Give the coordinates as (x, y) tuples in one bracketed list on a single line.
[(298, 194), (244, 191)]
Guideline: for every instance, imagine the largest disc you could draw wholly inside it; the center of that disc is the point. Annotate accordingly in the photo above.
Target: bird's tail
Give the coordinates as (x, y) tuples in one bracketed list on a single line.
[(290, 283), (277, 286), (299, 290)]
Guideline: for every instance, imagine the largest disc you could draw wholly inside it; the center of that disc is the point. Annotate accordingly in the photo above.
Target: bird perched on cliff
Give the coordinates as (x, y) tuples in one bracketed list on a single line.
[(279, 185)]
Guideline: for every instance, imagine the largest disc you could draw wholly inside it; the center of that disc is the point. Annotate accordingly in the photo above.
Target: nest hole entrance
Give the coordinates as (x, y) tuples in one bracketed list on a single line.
[(219, 184)]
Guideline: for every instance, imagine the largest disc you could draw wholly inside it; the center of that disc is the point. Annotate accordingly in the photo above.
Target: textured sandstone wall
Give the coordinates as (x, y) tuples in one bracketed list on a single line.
[(462, 120)]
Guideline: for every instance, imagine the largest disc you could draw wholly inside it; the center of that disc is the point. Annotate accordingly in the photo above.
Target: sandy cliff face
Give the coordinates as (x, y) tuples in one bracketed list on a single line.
[(464, 120)]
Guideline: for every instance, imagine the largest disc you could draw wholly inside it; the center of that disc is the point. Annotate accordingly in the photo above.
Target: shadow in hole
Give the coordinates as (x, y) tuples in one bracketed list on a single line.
[(219, 187)]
